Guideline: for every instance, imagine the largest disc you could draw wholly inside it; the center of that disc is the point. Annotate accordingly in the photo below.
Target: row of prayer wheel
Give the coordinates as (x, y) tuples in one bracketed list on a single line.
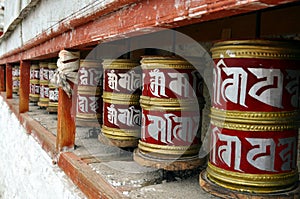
[(42, 93), (156, 106)]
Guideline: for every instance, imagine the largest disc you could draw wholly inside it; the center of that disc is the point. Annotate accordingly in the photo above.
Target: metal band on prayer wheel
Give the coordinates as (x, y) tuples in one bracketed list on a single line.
[(255, 116), (171, 104), (34, 94), (121, 108), (89, 101)]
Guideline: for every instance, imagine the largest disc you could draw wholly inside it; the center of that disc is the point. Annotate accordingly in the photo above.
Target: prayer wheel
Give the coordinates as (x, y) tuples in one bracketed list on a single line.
[(254, 117), (34, 94), (171, 103), (44, 85), (53, 90), (89, 101), (16, 78), (121, 109)]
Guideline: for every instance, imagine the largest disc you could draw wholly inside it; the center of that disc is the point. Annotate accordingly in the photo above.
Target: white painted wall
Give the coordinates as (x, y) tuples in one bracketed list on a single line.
[(26, 171), (45, 17)]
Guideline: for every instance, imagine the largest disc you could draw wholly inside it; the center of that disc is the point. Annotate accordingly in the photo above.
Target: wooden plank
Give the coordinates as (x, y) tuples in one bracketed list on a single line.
[(65, 122), (9, 89), (2, 78), (91, 184), (24, 86), (135, 20)]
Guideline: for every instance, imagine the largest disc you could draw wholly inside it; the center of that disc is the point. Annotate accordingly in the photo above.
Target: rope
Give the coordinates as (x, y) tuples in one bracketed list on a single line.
[(67, 67)]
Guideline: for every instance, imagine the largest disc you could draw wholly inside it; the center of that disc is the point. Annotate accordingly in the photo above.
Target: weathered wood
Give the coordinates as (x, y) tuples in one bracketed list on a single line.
[(24, 86), (2, 78), (93, 186), (117, 142), (221, 192), (167, 164), (65, 122), (9, 89)]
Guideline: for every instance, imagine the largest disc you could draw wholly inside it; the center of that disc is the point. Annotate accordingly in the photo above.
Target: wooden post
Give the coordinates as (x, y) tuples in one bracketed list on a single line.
[(2, 79), (9, 88), (24, 86), (65, 122)]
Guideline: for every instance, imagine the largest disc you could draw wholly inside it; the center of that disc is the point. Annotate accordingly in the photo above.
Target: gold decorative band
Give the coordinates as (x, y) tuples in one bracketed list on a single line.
[(87, 63), (255, 116), (169, 150), (53, 103), (44, 99), (119, 64), (43, 64), (89, 90), (255, 121), (44, 82), (52, 66), (34, 81), (121, 134), (132, 98), (165, 62), (151, 103), (262, 49), (34, 66), (34, 95), (258, 183), (88, 115)]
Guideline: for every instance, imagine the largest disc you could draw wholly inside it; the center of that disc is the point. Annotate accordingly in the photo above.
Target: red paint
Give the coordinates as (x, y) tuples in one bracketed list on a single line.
[(9, 87), (281, 145), (180, 84), (126, 117), (279, 84), (24, 86), (140, 15), (171, 127), (2, 78)]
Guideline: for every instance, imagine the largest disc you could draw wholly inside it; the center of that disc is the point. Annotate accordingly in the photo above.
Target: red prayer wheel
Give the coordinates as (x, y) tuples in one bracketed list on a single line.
[(53, 90), (121, 109), (255, 116), (89, 101), (16, 78), (171, 104), (34, 94), (44, 85)]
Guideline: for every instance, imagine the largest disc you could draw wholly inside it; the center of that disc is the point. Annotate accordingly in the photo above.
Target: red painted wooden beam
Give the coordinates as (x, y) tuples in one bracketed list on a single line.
[(2, 78), (24, 86), (65, 122), (133, 20), (9, 89)]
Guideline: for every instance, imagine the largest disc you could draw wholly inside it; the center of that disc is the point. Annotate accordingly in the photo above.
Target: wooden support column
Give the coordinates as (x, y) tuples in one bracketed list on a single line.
[(2, 78), (24, 86), (65, 122), (9, 86)]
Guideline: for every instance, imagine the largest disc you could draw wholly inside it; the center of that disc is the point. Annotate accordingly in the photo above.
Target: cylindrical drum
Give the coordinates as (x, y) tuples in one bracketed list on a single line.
[(89, 101), (255, 116), (44, 85), (53, 90), (16, 78), (171, 104), (121, 109), (34, 94)]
